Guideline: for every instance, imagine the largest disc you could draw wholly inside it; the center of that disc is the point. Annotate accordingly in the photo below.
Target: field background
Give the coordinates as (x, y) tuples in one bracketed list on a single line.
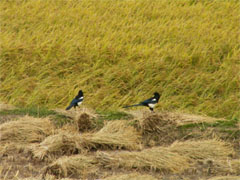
[(120, 52)]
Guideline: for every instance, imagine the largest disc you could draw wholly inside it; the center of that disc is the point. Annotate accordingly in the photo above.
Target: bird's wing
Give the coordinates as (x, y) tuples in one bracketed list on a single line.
[(149, 101)]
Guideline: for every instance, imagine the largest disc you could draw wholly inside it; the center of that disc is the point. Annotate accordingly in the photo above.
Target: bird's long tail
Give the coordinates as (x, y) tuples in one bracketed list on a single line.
[(69, 107), (133, 105)]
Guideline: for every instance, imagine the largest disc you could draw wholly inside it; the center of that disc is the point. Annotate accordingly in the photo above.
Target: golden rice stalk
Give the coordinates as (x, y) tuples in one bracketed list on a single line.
[(114, 135), (12, 147), (227, 166), (26, 129), (131, 176), (4, 106), (156, 158), (183, 118), (58, 144), (202, 149), (73, 165), (225, 178)]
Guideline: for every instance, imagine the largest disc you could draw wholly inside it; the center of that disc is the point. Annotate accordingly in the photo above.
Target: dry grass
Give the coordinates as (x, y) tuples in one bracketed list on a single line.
[(229, 166), (131, 176), (80, 165), (63, 143), (182, 118), (203, 149), (155, 159), (155, 128), (114, 135), (4, 106), (225, 178), (26, 130)]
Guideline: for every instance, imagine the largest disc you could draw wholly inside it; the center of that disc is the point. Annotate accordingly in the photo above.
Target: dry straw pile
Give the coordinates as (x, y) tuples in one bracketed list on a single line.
[(225, 178), (131, 176), (26, 130), (73, 165), (57, 145), (202, 149), (156, 159), (114, 135)]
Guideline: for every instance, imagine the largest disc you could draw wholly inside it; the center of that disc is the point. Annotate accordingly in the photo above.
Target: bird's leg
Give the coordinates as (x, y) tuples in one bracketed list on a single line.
[(151, 109)]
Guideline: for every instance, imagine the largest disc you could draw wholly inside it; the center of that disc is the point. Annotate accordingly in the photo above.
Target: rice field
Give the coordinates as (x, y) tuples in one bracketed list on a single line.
[(120, 52)]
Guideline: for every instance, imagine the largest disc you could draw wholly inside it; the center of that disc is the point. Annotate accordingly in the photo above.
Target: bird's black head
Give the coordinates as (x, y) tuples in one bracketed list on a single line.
[(80, 93), (157, 95)]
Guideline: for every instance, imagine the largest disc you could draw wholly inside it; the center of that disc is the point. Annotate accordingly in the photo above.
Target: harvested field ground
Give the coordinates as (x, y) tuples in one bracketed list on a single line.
[(119, 145)]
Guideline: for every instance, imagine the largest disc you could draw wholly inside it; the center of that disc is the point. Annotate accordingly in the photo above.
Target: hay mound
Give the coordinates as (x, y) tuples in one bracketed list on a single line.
[(202, 149), (84, 122), (156, 128), (156, 123), (156, 159), (81, 165), (132, 176), (59, 144), (26, 130), (114, 135)]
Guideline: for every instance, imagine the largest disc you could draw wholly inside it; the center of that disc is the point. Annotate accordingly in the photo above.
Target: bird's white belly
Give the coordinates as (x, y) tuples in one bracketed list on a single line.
[(79, 103), (151, 105)]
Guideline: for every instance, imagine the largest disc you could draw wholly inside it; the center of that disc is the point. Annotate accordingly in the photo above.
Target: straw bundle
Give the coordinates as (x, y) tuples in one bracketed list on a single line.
[(66, 166), (62, 143), (131, 176), (183, 118), (202, 149), (26, 129), (225, 178), (150, 159), (114, 135)]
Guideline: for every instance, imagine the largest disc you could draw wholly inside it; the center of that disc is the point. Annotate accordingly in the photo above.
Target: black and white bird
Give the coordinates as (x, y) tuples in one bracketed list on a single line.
[(76, 101), (151, 102)]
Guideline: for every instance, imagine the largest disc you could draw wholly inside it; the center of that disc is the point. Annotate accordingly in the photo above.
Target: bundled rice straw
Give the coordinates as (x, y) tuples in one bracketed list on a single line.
[(154, 159), (83, 118), (131, 176), (225, 178), (73, 165), (13, 147), (202, 149), (227, 166), (26, 129), (115, 135), (58, 144), (156, 129), (182, 118)]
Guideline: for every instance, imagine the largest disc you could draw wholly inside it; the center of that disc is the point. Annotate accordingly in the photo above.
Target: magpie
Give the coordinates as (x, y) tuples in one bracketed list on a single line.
[(151, 102), (76, 101)]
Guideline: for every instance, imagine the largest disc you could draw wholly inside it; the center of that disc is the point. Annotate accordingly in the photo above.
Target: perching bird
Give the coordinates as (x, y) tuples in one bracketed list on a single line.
[(151, 102), (76, 101)]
